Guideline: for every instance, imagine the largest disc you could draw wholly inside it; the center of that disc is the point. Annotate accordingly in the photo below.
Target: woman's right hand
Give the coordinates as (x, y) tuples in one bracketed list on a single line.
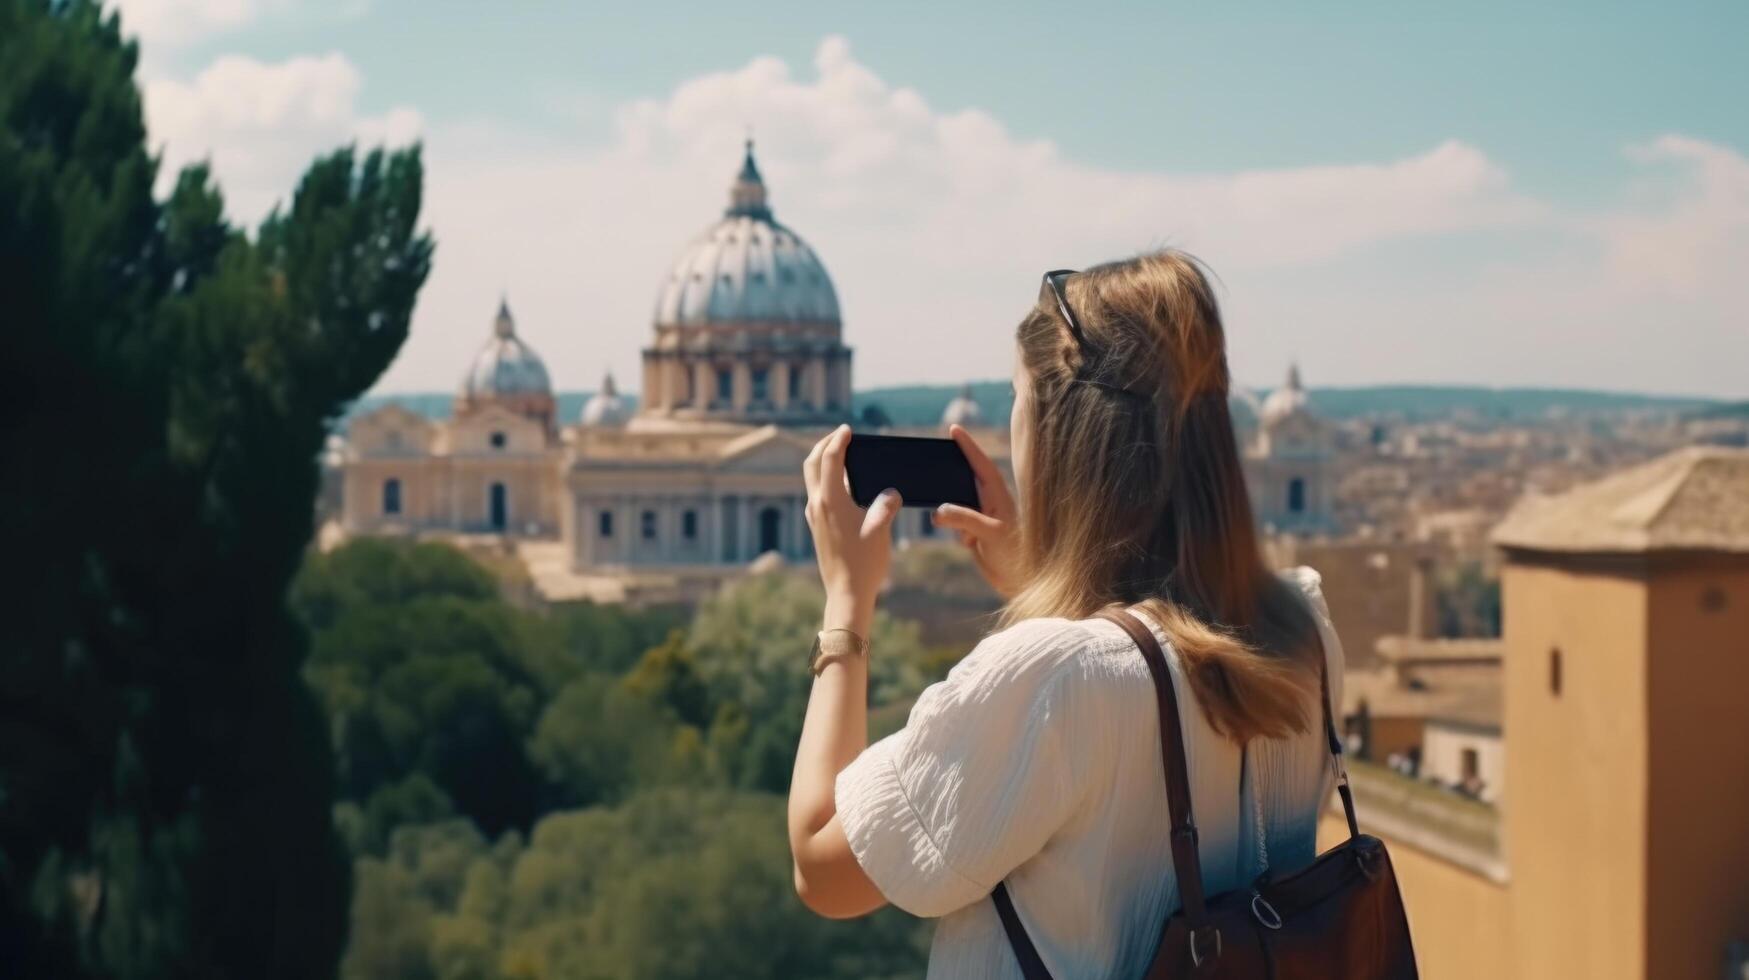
[(992, 532)]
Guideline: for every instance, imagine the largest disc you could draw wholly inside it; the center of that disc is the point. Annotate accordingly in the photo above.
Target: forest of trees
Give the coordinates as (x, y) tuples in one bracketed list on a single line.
[(579, 791)]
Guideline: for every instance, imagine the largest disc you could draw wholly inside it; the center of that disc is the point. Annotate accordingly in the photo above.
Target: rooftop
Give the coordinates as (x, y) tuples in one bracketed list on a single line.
[(1694, 499)]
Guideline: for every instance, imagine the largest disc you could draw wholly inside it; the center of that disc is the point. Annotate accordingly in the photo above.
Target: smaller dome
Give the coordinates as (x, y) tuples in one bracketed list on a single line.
[(506, 365), (1289, 399), (963, 410), (604, 408)]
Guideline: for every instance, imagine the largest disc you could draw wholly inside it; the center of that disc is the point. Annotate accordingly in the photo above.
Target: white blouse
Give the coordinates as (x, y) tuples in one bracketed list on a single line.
[(1037, 760)]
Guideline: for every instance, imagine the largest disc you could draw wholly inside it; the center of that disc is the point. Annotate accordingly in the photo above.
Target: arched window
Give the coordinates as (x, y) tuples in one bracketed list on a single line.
[(391, 496), (498, 507), (1296, 496), (498, 440)]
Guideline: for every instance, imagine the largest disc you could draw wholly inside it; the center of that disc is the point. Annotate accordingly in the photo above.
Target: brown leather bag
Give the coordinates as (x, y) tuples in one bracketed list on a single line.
[(1340, 917)]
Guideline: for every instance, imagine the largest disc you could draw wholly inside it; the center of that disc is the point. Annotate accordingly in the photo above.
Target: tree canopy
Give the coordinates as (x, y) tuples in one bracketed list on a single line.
[(167, 381)]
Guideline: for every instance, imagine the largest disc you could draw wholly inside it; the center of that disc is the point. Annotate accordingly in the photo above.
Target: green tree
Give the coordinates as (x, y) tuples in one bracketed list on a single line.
[(424, 669), (668, 885), (168, 380), (751, 644), (598, 741)]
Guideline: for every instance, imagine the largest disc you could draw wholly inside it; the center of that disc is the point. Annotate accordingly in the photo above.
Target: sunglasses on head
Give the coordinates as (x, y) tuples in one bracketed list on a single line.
[(1053, 282)]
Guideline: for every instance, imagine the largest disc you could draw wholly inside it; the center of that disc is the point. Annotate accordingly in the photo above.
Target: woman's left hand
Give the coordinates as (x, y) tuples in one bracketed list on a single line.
[(854, 546)]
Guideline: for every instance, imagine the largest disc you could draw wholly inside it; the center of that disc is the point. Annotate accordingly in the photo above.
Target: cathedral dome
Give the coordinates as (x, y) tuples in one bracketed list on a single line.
[(747, 268), (963, 410), (505, 366), (604, 408), (1289, 399)]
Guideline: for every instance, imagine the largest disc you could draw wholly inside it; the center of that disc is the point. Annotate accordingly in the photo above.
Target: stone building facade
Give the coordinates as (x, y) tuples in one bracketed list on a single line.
[(488, 469), (1288, 464)]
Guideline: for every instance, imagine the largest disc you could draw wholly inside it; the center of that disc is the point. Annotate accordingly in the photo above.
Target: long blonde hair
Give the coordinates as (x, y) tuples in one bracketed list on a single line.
[(1135, 493)]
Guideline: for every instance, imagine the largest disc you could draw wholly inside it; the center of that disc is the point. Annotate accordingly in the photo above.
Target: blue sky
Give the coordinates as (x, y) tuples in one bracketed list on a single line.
[(1463, 192)]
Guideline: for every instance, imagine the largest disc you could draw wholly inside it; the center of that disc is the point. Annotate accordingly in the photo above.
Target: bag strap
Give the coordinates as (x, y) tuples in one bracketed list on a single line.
[(1186, 860), (1032, 966), (1336, 753)]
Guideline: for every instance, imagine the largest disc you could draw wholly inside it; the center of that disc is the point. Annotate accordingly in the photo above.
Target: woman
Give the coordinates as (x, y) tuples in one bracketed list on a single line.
[(1037, 761)]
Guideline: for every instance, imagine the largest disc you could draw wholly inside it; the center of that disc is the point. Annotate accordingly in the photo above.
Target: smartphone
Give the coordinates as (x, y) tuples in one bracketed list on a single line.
[(926, 472)]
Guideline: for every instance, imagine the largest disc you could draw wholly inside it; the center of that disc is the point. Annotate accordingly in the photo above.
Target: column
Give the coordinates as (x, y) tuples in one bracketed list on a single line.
[(702, 548), (816, 383), (745, 518), (729, 513), (581, 534), (703, 383), (743, 386), (652, 384), (624, 526), (780, 384)]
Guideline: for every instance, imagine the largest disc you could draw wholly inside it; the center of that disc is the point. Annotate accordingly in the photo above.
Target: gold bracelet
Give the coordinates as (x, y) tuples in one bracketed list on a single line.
[(856, 645)]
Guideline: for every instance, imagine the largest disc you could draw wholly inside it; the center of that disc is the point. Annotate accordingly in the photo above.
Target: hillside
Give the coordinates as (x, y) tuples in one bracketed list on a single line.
[(922, 404)]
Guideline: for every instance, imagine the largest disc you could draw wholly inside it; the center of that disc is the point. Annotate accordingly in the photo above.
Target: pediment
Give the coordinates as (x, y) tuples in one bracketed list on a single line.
[(765, 450)]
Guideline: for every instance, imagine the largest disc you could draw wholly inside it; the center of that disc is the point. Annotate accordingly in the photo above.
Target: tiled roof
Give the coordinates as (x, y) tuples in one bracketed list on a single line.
[(1694, 499)]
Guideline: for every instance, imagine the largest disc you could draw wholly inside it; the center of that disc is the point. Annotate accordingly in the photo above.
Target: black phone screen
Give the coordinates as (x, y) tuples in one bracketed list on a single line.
[(926, 472)]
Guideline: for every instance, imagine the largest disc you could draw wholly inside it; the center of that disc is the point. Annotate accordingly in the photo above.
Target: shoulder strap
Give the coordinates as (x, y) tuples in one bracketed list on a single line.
[(1032, 966), (1335, 740), (1185, 858)]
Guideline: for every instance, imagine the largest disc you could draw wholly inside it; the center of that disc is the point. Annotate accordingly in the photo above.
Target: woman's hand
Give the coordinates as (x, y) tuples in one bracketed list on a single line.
[(853, 546), (992, 532)]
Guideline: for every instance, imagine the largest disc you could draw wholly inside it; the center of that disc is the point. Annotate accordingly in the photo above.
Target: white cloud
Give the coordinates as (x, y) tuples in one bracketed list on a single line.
[(1692, 234), (261, 123), (935, 224)]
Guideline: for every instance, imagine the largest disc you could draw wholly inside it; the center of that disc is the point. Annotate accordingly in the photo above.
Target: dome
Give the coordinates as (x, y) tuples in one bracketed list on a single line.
[(963, 410), (505, 366), (747, 268), (604, 408), (1287, 400)]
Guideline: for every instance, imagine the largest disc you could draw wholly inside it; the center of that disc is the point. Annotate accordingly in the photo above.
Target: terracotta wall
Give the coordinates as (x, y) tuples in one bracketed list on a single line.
[(1575, 816), (1697, 867)]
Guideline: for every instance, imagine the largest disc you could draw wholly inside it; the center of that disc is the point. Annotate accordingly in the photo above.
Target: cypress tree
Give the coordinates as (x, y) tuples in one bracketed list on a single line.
[(166, 385)]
